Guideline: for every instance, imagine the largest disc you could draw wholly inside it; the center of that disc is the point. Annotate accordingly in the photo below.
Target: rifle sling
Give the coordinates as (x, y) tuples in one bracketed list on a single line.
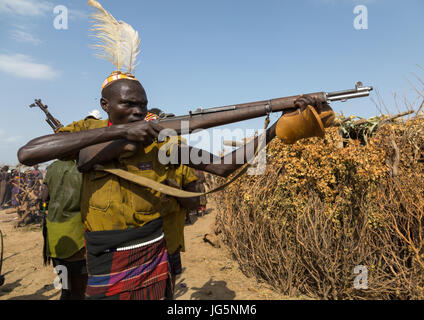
[(165, 189)]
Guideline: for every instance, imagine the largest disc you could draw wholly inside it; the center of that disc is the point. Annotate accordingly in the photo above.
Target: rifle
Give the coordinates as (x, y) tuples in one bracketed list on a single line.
[(212, 117), (217, 116), (207, 118), (52, 121)]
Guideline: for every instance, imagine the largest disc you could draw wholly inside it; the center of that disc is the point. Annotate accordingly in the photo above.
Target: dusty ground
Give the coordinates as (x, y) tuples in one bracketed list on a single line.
[(208, 272)]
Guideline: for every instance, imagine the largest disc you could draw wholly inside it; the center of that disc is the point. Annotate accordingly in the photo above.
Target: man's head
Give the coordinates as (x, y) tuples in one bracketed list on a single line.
[(124, 101), (5, 168)]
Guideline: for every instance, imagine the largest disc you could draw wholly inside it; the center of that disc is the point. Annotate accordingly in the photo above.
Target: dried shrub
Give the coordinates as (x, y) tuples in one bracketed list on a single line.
[(322, 209)]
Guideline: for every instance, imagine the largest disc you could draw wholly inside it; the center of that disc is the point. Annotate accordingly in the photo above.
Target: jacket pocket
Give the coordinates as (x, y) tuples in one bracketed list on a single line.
[(145, 200), (99, 190)]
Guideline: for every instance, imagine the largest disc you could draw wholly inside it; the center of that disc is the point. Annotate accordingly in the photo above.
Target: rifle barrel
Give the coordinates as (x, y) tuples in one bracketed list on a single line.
[(359, 92), (217, 116), (346, 96)]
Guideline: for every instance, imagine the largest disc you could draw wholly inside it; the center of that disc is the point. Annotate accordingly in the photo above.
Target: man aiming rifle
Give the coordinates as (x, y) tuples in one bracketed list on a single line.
[(124, 228)]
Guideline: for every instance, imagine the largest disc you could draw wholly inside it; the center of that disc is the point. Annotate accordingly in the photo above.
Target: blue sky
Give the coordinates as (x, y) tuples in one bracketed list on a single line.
[(206, 53)]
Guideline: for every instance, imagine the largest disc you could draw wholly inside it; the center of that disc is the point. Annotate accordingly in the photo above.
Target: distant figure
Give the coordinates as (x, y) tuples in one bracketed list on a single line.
[(3, 182), (63, 229), (7, 198), (33, 181), (156, 111), (38, 180), (37, 173), (201, 210), (15, 184), (94, 114)]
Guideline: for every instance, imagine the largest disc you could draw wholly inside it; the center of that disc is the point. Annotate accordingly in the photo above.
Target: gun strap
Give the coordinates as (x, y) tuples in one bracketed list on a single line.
[(163, 188), (171, 191)]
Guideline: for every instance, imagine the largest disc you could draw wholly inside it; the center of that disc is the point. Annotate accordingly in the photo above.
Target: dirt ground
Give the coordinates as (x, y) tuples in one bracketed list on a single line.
[(209, 273)]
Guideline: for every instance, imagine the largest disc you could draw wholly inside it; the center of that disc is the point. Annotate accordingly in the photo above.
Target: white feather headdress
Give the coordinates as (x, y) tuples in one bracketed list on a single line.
[(118, 41)]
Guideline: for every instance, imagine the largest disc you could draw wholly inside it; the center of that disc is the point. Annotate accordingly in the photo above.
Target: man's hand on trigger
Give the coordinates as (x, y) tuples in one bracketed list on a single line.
[(143, 132)]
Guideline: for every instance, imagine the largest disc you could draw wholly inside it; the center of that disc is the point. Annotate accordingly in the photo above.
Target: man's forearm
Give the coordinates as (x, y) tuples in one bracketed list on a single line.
[(224, 166), (61, 145), (190, 203), (103, 152)]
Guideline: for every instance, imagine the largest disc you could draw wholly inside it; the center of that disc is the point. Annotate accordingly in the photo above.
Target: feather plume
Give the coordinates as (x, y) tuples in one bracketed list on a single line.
[(118, 41)]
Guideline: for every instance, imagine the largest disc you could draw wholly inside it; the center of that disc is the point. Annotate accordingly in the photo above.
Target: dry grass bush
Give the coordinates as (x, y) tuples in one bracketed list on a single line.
[(321, 209)]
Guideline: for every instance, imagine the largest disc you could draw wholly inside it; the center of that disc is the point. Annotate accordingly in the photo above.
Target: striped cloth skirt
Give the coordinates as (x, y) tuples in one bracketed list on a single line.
[(139, 271)]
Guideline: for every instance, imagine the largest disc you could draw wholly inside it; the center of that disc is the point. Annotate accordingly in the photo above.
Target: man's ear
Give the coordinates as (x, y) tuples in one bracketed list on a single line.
[(104, 104)]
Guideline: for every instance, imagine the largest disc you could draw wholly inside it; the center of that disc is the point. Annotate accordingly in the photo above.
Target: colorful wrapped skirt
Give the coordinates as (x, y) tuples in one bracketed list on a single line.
[(128, 265)]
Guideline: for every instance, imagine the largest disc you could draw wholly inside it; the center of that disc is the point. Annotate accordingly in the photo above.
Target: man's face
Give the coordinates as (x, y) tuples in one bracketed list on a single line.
[(125, 101)]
